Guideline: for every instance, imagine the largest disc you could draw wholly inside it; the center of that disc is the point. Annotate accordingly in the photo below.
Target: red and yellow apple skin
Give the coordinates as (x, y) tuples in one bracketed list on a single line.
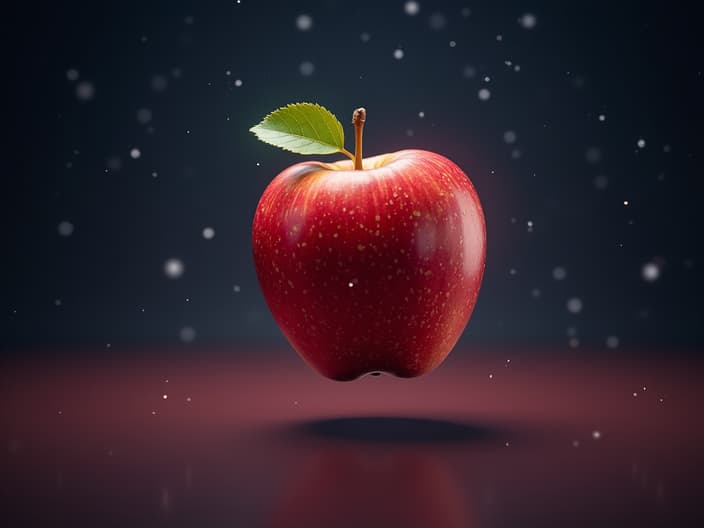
[(375, 270)]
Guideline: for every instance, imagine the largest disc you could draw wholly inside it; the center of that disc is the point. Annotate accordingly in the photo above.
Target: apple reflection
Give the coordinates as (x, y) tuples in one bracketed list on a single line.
[(354, 486)]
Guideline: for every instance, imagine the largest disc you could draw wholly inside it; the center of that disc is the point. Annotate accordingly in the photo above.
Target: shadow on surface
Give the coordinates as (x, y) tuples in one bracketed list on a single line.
[(398, 430)]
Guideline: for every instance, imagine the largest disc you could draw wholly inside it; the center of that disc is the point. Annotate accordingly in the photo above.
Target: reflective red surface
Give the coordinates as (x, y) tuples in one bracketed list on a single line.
[(258, 439)]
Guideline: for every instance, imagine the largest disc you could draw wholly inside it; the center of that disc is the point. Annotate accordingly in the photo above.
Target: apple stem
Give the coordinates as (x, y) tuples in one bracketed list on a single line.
[(359, 116)]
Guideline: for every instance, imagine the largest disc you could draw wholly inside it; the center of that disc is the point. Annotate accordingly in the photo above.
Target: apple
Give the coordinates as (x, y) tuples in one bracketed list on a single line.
[(374, 269)]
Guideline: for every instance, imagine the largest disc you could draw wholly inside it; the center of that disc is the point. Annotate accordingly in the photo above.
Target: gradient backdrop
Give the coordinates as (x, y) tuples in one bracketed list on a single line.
[(131, 127)]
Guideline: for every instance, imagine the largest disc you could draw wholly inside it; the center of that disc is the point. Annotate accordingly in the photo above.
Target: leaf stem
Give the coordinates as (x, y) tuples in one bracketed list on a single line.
[(347, 153), (359, 116)]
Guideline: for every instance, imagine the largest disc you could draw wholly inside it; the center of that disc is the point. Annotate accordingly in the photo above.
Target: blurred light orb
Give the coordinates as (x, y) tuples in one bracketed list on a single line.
[(593, 155), (135, 153), (72, 74), (398, 54), (650, 272), (65, 228), (612, 342), (306, 68), (411, 8), (484, 94), (304, 22), (208, 233), (85, 91), (144, 116), (528, 20), (174, 268), (641, 143), (601, 182), (437, 21), (469, 72), (510, 137), (574, 305), (159, 83), (187, 334)]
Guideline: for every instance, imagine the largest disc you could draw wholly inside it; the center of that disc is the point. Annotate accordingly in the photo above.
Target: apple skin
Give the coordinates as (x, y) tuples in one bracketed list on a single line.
[(375, 270)]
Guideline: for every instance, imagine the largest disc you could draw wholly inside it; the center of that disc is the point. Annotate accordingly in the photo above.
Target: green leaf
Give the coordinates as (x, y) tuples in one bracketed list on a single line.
[(303, 128)]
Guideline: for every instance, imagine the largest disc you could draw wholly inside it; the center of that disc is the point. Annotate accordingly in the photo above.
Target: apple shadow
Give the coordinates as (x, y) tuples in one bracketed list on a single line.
[(397, 430)]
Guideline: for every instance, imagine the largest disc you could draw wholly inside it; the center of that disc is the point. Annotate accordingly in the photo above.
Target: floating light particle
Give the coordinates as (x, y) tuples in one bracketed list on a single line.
[(165, 396), (469, 72), (411, 8), (650, 272), (306, 68), (174, 268), (574, 305), (238, 83), (72, 74), (159, 83), (398, 54), (528, 20), (484, 94), (65, 228), (187, 334), (365, 37), (641, 143), (596, 435), (304, 22), (437, 21), (144, 116), (593, 155), (602, 117), (559, 273), (510, 137), (236, 288), (135, 153), (208, 233), (85, 91), (612, 342)]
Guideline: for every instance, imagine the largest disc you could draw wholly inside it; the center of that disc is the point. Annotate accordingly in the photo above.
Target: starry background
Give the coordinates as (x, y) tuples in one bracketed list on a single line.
[(131, 178)]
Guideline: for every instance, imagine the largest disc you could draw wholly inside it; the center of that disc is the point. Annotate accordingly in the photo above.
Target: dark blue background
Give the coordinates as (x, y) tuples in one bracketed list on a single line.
[(637, 63)]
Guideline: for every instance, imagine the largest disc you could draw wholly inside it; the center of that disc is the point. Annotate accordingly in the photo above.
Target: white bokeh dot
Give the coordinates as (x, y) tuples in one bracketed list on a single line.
[(641, 143), (484, 94), (85, 91), (398, 54), (174, 268), (135, 153), (304, 22), (574, 305), (208, 233), (65, 228), (144, 116), (528, 20), (650, 272), (187, 334), (411, 8), (306, 68), (510, 137)]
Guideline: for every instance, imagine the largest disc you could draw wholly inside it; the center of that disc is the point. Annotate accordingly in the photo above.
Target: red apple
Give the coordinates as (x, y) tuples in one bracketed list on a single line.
[(371, 270)]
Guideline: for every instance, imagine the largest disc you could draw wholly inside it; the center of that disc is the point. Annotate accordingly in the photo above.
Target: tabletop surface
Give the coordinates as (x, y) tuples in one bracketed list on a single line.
[(211, 437)]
